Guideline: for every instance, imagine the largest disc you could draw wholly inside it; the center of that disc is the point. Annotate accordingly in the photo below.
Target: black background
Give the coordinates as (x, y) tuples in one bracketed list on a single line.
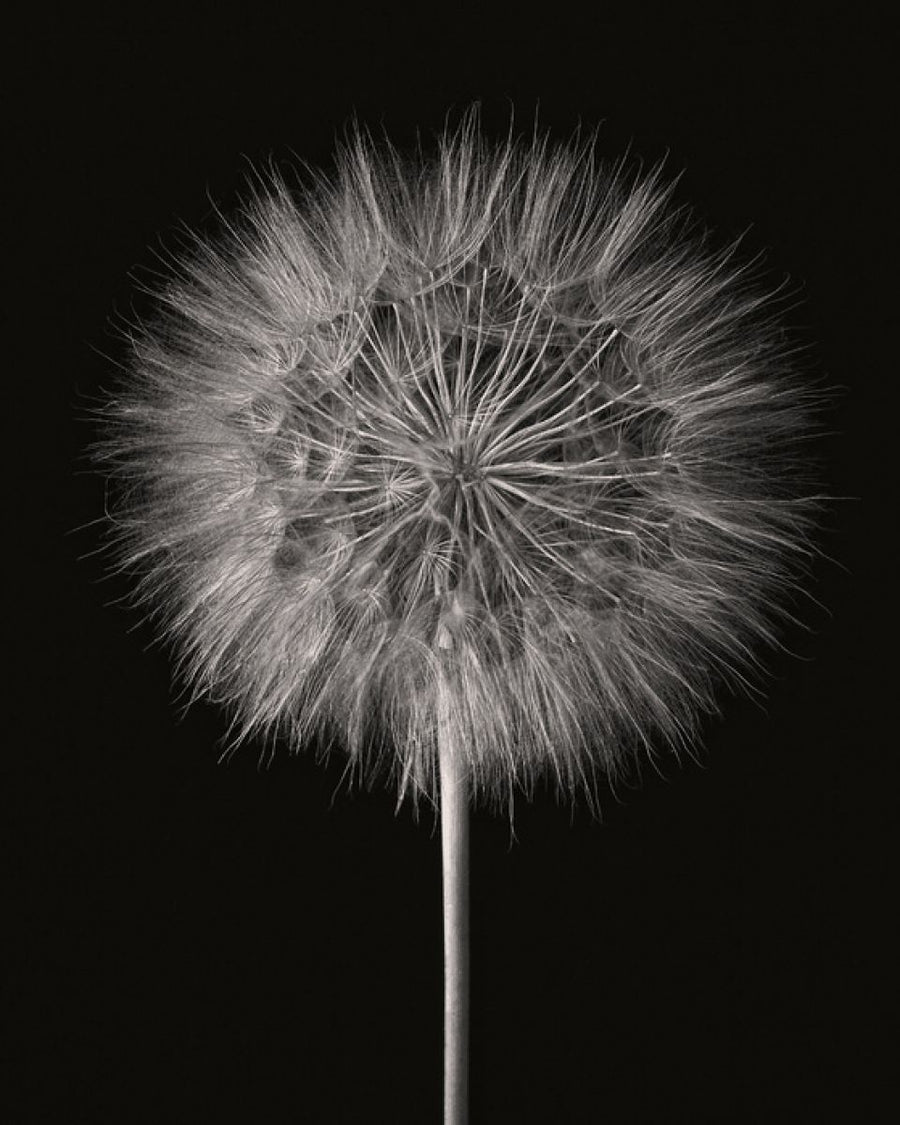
[(202, 942)]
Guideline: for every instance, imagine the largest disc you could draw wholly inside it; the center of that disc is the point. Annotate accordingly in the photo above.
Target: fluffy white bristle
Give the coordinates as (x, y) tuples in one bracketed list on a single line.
[(493, 428)]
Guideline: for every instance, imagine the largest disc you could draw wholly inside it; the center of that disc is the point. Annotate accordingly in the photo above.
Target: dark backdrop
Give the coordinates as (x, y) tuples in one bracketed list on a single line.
[(202, 942)]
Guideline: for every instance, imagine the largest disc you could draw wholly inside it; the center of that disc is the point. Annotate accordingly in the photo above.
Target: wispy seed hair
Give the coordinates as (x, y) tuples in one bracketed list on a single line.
[(484, 444)]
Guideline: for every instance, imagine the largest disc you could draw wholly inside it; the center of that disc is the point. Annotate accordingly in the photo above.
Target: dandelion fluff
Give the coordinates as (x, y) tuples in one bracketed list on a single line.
[(486, 446)]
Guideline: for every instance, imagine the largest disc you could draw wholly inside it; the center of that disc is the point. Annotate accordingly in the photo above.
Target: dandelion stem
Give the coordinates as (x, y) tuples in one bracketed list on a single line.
[(455, 871)]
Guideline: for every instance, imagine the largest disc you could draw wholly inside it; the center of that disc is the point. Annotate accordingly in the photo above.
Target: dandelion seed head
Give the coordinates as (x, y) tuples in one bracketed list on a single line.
[(486, 446)]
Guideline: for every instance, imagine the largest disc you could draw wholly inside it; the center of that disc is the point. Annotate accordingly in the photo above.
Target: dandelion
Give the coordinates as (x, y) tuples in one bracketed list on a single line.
[(482, 464)]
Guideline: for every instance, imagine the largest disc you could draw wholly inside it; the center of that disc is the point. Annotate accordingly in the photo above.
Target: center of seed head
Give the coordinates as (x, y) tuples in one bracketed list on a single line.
[(464, 469)]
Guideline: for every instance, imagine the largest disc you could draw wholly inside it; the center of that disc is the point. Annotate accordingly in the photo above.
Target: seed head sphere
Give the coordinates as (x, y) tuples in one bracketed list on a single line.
[(484, 445)]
